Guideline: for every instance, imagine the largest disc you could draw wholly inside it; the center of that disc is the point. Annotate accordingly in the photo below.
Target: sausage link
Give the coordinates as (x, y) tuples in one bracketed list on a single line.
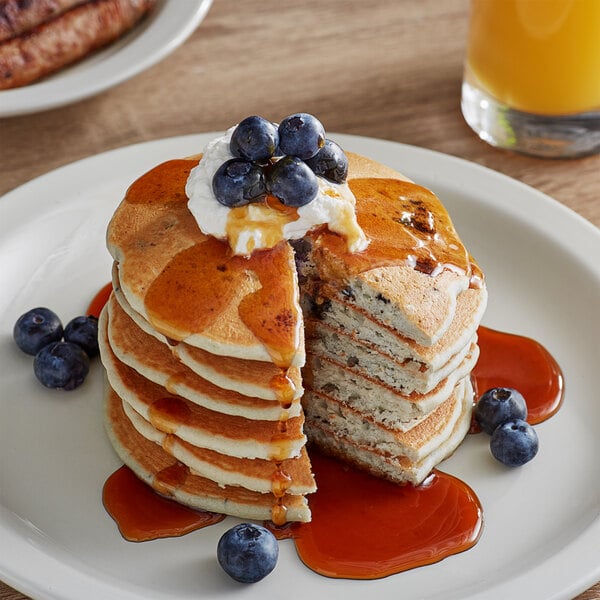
[(19, 16), (66, 39)]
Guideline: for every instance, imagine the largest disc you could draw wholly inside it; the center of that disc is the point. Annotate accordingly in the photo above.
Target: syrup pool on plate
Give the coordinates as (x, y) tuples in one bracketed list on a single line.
[(515, 361)]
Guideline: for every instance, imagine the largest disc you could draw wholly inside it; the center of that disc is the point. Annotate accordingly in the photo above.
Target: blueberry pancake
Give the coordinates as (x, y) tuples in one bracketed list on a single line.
[(243, 327)]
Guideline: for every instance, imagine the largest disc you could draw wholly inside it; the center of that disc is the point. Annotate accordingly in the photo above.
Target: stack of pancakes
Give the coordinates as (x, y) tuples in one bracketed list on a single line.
[(203, 350)]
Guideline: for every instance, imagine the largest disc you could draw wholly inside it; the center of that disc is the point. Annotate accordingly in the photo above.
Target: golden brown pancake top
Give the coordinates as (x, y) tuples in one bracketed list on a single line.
[(186, 283)]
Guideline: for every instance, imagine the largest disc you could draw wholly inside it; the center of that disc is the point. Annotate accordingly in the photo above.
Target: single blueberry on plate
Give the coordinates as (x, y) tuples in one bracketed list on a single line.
[(247, 552), (238, 182), (330, 162), (61, 365), (83, 331), (301, 135), (36, 328), (514, 443), (292, 182), (498, 405), (255, 139)]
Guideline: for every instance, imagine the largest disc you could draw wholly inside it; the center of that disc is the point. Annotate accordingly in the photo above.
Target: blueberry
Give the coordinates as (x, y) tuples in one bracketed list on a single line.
[(292, 182), (301, 135), (83, 331), (514, 443), (61, 365), (247, 552), (330, 162), (255, 139), (498, 405), (37, 328), (238, 182)]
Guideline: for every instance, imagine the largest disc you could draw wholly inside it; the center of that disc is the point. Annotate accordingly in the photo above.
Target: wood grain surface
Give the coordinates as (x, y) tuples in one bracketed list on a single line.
[(386, 68)]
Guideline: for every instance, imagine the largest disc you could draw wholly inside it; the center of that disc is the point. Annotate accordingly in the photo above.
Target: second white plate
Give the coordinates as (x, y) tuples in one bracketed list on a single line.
[(167, 27)]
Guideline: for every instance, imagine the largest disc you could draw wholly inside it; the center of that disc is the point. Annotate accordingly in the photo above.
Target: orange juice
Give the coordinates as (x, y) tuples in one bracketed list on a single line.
[(537, 56)]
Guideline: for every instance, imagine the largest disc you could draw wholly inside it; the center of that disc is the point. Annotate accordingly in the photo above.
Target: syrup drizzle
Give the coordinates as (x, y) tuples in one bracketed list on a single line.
[(142, 515), (269, 216), (406, 224), (194, 288), (272, 312), (99, 300), (167, 414), (515, 361)]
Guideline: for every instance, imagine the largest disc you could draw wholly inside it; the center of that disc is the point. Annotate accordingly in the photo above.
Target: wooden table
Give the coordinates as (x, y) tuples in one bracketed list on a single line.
[(387, 68)]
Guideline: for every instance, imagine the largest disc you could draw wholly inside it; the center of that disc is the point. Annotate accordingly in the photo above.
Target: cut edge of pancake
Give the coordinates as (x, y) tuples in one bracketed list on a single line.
[(394, 468)]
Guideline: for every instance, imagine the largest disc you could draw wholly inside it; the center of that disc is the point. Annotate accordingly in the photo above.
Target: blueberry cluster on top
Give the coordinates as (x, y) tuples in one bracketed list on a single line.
[(283, 161)]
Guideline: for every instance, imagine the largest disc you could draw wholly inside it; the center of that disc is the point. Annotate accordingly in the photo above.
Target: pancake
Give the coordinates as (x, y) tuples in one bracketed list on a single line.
[(377, 401), (255, 474), (155, 362), (414, 268), (387, 439), (333, 315), (430, 442), (156, 243), (405, 376), (190, 287), (170, 478), (248, 377), (225, 433)]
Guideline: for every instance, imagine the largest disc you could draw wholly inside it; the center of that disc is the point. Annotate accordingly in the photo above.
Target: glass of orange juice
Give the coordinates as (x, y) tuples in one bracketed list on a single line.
[(532, 75)]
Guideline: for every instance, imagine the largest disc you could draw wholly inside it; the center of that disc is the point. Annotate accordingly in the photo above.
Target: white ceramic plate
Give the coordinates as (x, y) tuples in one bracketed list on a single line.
[(542, 526), (168, 26)]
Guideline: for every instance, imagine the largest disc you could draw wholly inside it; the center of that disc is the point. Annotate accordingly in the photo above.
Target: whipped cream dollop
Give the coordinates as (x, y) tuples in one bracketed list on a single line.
[(264, 224)]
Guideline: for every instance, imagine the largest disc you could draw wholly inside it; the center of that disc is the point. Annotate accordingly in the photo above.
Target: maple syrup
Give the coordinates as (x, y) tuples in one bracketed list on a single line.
[(269, 216), (406, 224), (284, 387), (364, 527), (99, 300), (142, 515), (167, 414), (514, 361), (165, 183)]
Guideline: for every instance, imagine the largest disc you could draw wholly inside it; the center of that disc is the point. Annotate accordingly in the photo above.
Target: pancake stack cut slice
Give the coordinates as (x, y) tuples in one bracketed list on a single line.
[(220, 368), (391, 333)]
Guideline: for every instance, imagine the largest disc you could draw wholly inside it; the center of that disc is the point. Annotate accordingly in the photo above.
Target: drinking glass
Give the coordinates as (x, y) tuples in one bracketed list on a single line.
[(532, 75)]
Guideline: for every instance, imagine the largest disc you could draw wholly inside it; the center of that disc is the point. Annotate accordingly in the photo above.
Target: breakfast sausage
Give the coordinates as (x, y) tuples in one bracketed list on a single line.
[(66, 39), (19, 16)]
